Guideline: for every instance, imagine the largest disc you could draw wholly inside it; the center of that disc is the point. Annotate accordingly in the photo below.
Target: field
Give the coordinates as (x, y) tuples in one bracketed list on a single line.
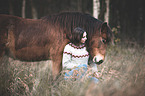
[(122, 74)]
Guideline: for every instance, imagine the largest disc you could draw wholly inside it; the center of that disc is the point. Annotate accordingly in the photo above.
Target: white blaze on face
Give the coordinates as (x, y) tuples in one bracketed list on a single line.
[(84, 38)]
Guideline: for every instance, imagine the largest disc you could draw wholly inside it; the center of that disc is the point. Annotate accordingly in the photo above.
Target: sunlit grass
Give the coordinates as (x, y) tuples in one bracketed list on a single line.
[(122, 74)]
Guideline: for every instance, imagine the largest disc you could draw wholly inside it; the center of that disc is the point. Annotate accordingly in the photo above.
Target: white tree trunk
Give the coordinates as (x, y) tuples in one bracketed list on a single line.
[(107, 11), (23, 8), (96, 8)]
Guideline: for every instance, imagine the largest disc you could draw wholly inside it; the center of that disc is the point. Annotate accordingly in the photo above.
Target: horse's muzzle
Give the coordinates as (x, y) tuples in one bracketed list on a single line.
[(98, 59)]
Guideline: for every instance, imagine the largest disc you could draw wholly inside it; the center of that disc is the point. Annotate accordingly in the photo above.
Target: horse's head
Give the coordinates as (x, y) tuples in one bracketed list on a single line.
[(97, 43)]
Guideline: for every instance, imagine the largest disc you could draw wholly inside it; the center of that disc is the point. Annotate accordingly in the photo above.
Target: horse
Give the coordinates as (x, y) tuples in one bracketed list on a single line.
[(45, 38)]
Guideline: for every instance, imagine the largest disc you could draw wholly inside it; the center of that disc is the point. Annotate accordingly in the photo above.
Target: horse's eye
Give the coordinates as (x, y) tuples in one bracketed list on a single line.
[(103, 40)]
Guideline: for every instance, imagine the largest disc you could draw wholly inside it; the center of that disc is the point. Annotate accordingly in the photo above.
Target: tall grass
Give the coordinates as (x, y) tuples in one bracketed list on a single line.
[(122, 74)]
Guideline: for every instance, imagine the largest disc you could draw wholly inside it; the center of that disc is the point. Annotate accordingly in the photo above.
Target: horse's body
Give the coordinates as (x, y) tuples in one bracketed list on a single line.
[(45, 38)]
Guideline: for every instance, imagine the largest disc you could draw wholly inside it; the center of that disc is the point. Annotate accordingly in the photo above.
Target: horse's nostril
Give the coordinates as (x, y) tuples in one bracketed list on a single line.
[(101, 61)]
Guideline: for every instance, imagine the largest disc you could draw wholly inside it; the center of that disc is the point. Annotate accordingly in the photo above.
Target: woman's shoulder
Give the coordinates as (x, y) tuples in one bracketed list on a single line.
[(68, 47)]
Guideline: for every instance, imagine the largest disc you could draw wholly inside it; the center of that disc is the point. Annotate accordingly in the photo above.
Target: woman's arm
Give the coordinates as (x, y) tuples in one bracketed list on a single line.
[(67, 61), (67, 58)]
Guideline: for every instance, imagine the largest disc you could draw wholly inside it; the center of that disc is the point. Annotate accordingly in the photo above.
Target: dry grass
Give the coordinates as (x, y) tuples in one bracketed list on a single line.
[(122, 74)]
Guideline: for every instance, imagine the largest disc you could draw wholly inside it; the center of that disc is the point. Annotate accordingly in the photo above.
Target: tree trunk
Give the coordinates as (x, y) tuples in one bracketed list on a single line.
[(34, 11), (96, 8), (102, 10), (107, 11), (23, 8)]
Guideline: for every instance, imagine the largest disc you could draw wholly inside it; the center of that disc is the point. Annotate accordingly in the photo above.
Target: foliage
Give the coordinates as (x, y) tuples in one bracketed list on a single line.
[(116, 33), (122, 74)]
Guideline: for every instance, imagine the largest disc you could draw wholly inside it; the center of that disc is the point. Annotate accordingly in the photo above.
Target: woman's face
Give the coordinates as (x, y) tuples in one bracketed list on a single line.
[(84, 38)]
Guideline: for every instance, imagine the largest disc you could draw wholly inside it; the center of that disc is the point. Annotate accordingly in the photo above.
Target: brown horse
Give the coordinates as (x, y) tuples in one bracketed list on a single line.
[(45, 38)]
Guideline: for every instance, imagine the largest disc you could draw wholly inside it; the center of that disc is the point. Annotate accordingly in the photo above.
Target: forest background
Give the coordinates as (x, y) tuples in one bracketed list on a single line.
[(121, 74), (127, 16)]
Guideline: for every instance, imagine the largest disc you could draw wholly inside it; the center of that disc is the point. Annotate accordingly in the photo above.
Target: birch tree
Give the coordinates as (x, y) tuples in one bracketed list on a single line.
[(107, 11), (96, 8)]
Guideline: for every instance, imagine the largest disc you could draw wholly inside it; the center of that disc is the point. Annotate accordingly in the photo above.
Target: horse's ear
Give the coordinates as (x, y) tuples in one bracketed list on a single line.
[(104, 28)]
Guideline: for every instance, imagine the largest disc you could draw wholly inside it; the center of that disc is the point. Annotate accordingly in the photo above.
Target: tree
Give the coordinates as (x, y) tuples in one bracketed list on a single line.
[(23, 8), (34, 11), (96, 7), (101, 9), (107, 11)]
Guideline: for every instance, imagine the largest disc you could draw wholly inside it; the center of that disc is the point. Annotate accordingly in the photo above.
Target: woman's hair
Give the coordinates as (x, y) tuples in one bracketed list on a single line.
[(77, 35)]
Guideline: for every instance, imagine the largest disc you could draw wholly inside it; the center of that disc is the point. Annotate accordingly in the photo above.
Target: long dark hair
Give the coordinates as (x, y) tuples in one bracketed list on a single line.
[(77, 35)]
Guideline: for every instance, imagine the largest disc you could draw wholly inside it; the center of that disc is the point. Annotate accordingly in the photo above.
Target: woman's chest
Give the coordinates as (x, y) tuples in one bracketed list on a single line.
[(79, 53)]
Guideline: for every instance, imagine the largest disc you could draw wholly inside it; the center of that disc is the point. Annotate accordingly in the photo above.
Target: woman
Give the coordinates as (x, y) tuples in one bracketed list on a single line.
[(75, 56)]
